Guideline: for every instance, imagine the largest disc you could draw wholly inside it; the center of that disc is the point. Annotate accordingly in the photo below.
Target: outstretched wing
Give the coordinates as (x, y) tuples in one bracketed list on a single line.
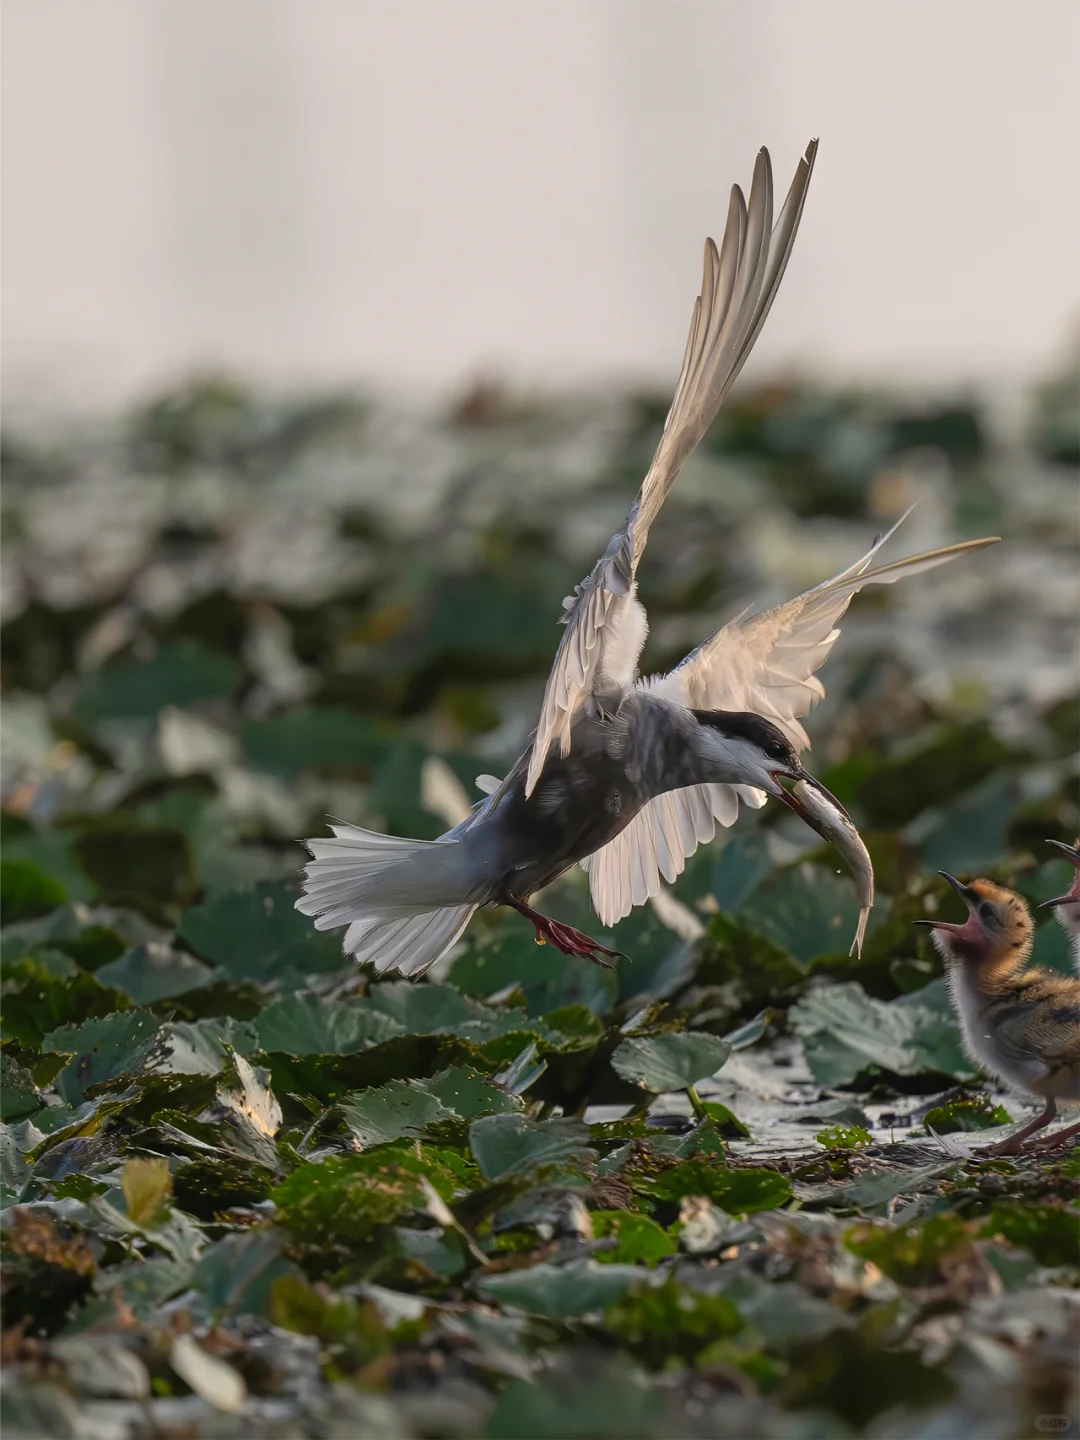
[(762, 663), (765, 663), (605, 624), (658, 842)]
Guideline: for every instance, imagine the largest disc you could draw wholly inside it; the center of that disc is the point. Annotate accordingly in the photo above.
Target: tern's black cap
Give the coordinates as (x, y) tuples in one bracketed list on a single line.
[(744, 725)]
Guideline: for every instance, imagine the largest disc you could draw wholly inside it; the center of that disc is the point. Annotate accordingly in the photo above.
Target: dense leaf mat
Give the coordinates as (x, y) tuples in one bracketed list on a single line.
[(732, 1189)]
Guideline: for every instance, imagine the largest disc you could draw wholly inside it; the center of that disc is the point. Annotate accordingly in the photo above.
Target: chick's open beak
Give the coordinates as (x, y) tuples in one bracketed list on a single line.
[(965, 892), (970, 899), (1071, 897)]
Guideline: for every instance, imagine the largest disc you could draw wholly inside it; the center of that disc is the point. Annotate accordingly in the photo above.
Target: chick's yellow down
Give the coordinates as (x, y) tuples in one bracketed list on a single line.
[(1020, 1022)]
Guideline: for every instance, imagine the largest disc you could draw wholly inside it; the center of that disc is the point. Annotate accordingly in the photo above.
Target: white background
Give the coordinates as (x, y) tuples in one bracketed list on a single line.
[(415, 191)]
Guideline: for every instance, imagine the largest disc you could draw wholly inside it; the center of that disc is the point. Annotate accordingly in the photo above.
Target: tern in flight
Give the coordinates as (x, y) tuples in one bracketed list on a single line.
[(624, 775)]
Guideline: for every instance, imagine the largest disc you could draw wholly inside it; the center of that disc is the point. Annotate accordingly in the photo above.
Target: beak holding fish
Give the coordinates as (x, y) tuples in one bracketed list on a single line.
[(824, 813)]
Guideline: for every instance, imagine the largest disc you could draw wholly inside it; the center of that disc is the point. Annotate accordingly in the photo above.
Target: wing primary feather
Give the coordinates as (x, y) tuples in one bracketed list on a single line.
[(754, 265), (918, 564), (783, 240), (739, 283), (765, 663)]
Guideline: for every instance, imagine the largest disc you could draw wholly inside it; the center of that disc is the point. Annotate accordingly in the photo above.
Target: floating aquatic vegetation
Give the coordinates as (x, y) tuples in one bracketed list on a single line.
[(731, 1187)]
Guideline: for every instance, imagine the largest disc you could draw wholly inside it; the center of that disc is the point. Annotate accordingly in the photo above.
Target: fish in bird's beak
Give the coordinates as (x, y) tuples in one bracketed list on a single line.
[(794, 801), (972, 928), (824, 813), (1071, 896)]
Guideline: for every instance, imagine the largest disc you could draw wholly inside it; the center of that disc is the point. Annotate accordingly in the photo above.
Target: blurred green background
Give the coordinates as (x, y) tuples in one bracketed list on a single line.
[(229, 615)]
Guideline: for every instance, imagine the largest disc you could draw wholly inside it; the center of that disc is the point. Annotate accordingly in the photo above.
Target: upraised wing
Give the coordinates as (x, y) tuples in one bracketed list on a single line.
[(762, 663), (605, 624)]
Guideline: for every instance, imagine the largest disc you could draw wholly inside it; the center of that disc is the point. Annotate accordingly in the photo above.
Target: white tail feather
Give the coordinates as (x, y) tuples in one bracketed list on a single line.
[(401, 900), (412, 943)]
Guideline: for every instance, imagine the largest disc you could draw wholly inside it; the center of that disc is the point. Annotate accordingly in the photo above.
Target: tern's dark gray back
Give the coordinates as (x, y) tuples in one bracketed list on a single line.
[(583, 799)]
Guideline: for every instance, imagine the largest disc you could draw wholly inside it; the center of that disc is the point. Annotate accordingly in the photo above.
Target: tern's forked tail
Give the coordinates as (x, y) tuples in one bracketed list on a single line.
[(402, 900)]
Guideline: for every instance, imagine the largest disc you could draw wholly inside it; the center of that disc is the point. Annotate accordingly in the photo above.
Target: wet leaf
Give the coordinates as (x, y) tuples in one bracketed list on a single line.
[(578, 1288), (967, 1113), (251, 1110), (548, 979), (212, 1379), (307, 1025), (844, 1137), (510, 1145), (669, 1062), (399, 1108), (237, 1274), (286, 745), (178, 675), (153, 972), (343, 1199), (135, 1043), (146, 1184), (739, 1192), (808, 911), (638, 1237), (601, 1400), (26, 890), (44, 990), (19, 1096), (423, 1009), (846, 1032), (1050, 1232), (258, 934)]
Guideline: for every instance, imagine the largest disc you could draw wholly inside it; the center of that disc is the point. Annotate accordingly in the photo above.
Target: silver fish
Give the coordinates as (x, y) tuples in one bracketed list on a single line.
[(832, 822)]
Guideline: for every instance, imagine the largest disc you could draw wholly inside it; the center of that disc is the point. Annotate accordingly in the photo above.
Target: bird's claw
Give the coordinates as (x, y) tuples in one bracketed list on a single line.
[(1056, 1140), (575, 942), (1011, 1146), (1018, 1145)]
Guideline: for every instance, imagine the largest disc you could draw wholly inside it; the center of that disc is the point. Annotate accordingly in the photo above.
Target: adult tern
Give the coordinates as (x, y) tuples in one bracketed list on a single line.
[(626, 776)]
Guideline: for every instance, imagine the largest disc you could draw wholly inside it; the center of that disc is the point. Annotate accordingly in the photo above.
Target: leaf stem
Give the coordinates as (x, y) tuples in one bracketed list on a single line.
[(696, 1102)]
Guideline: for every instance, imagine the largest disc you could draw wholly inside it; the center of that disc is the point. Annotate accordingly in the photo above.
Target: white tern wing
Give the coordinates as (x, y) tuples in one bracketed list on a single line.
[(605, 624), (761, 663)]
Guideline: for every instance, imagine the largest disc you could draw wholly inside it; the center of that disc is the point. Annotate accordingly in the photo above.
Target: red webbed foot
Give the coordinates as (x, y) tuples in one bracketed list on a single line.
[(566, 938)]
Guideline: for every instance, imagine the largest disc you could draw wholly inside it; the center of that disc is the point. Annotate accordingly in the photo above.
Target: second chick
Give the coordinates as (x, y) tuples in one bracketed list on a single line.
[(1021, 1023)]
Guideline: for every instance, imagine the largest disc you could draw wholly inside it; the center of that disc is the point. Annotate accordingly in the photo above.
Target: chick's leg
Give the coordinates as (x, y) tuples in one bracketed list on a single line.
[(1014, 1145), (1059, 1137)]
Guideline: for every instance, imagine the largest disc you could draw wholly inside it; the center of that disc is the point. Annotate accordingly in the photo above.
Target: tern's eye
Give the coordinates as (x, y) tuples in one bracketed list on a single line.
[(989, 914)]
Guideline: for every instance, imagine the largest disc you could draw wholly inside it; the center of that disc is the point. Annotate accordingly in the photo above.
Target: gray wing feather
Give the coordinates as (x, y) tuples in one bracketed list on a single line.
[(658, 841), (739, 284), (765, 663)]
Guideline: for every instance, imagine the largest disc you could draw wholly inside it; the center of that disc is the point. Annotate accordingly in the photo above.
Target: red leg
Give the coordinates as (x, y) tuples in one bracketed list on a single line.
[(1059, 1137), (1014, 1145), (564, 937)]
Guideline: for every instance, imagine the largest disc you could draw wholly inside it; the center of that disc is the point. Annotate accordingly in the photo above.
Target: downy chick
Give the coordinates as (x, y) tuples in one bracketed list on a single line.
[(1067, 906), (1020, 1023)]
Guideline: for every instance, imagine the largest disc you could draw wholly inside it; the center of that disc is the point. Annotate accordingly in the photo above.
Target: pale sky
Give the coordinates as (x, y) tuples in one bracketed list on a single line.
[(407, 192)]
